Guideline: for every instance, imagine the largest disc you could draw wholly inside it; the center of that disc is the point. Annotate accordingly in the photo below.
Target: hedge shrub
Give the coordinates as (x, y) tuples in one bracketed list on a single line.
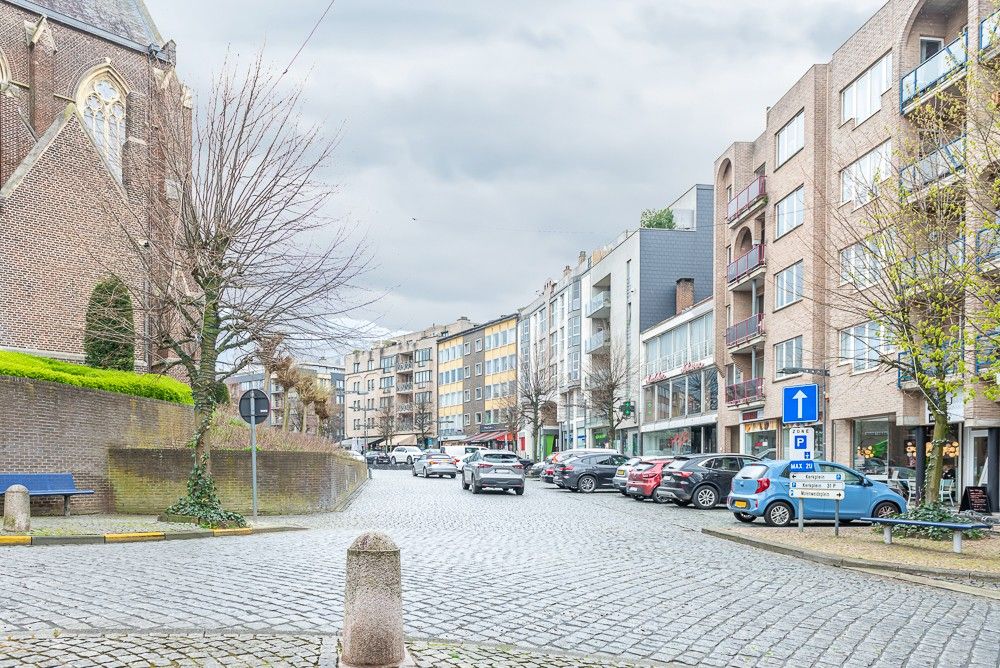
[(150, 386), (109, 335)]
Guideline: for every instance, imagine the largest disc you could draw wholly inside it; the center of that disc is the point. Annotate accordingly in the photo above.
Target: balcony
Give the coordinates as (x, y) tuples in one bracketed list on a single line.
[(943, 261), (940, 164), (933, 74), (654, 370), (745, 331), (748, 392), (989, 35), (747, 200), (404, 387), (746, 264), (404, 366), (404, 407), (988, 246), (907, 379), (600, 305), (599, 342)]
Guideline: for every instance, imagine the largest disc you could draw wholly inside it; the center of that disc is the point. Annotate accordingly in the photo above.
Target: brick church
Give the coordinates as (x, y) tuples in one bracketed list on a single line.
[(82, 85)]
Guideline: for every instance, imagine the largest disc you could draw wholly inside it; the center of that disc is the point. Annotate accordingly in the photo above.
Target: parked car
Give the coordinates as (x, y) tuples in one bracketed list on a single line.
[(497, 469), (461, 460), (761, 489), (357, 456), (620, 480), (644, 478), (547, 474), (589, 472), (377, 457), (459, 451), (435, 463), (701, 480), (404, 453), (559, 466)]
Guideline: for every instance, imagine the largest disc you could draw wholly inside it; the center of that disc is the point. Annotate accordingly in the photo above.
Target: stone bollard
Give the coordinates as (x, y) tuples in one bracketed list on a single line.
[(16, 509), (373, 605)]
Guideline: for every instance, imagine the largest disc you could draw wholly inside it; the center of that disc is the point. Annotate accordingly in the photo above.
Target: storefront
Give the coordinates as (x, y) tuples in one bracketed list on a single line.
[(760, 438), (679, 413), (693, 440)]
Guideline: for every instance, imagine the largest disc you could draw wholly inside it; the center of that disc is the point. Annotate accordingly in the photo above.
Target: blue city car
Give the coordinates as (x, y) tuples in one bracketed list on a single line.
[(761, 489)]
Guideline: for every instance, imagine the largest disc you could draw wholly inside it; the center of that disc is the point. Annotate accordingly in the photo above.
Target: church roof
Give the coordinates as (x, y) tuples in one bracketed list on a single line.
[(127, 20)]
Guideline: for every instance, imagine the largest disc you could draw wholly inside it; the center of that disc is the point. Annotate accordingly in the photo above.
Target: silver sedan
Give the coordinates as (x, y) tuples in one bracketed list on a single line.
[(435, 463)]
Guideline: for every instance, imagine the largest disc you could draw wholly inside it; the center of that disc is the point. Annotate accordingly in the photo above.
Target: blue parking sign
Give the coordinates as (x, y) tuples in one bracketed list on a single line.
[(807, 466), (800, 403)]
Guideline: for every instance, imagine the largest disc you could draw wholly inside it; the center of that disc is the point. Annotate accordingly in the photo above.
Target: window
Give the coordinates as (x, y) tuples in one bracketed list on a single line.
[(929, 47), (468, 372), (863, 97), (479, 418), (422, 355), (859, 180), (479, 345), (371, 365), (479, 368), (787, 354), (858, 265), (479, 393), (388, 362), (466, 419), (371, 383), (102, 101), (386, 382), (862, 345), (791, 212), (791, 138), (422, 377), (357, 367), (788, 286), (467, 348), (467, 395), (357, 386)]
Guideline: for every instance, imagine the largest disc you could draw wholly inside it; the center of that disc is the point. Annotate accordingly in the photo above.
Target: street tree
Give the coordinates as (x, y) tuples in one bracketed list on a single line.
[(511, 415), (536, 385), (308, 393), (387, 423), (609, 378), (269, 352), (287, 376), (241, 248), (423, 418)]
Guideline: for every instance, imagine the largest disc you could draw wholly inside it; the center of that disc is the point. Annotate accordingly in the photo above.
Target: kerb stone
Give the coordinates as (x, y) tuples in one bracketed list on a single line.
[(16, 509)]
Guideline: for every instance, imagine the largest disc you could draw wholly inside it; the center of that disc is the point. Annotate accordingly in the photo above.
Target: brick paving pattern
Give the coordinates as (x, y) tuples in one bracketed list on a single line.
[(597, 573)]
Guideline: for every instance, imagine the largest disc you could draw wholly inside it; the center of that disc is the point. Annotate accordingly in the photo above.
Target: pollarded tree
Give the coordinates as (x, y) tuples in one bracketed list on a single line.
[(109, 336), (387, 423), (423, 418), (609, 379), (536, 385)]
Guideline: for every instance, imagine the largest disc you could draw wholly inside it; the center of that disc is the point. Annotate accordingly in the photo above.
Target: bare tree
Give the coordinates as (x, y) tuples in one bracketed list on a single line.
[(511, 415), (241, 249), (387, 423), (535, 386), (308, 394), (609, 379), (423, 419), (268, 354), (287, 375)]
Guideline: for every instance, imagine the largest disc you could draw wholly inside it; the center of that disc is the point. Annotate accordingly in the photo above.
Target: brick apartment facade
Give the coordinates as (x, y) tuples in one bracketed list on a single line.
[(782, 212), (81, 84)]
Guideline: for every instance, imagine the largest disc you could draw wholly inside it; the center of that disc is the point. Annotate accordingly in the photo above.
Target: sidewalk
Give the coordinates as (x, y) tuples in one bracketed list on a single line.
[(189, 650), (79, 525)]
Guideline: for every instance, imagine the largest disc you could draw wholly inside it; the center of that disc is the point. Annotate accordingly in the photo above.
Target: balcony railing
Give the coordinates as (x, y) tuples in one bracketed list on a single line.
[(943, 162), (743, 331), (746, 263), (932, 71), (989, 31), (986, 351), (942, 261), (404, 387), (745, 392), (678, 358), (600, 301), (987, 245), (909, 375), (405, 407), (404, 366), (746, 199), (596, 342)]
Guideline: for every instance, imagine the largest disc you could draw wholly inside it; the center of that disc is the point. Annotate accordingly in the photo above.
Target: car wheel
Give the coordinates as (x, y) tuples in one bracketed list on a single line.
[(679, 503), (426, 475), (705, 497), (452, 476), (587, 484), (519, 491), (392, 460), (624, 493), (409, 460), (475, 488), (414, 472), (657, 498), (465, 485), (744, 517), (638, 497), (884, 509), (779, 514)]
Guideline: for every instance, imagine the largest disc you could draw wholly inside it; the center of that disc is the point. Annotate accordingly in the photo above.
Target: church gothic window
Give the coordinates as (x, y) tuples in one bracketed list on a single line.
[(103, 108)]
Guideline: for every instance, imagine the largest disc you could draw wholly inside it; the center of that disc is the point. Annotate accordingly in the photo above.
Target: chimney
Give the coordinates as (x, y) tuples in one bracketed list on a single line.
[(581, 258), (567, 271), (685, 294)]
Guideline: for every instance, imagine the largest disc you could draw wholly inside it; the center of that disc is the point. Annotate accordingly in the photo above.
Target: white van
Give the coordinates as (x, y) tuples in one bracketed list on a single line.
[(459, 451)]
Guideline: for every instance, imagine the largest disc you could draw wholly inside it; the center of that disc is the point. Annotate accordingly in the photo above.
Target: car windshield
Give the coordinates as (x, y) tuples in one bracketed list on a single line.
[(643, 466), (505, 457), (677, 464), (753, 472), (633, 461)]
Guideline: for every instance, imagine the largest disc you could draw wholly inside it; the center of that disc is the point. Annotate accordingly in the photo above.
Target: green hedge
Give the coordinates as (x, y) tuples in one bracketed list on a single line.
[(150, 386)]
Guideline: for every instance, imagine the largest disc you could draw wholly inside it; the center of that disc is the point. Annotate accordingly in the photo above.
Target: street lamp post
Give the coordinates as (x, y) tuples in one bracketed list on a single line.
[(823, 373)]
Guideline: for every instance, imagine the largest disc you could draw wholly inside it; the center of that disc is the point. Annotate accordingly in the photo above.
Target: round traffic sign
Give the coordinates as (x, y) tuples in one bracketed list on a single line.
[(261, 406)]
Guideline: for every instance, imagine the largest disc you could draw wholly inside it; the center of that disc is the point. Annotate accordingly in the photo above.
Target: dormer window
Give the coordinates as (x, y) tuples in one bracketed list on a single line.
[(103, 108)]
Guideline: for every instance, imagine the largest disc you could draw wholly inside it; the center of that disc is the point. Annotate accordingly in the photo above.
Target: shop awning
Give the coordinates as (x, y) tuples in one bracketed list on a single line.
[(490, 436), (408, 439)]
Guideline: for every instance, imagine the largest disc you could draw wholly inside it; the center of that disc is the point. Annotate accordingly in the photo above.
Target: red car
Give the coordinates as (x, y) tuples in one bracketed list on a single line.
[(644, 478)]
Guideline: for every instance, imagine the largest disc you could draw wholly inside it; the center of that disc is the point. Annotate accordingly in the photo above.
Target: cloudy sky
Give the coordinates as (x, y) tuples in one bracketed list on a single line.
[(485, 143)]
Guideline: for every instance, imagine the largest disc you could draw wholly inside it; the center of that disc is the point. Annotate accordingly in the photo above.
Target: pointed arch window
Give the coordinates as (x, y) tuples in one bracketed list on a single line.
[(103, 108)]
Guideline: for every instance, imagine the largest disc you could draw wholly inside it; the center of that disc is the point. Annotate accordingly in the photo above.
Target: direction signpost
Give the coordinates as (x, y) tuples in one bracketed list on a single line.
[(254, 409), (819, 485)]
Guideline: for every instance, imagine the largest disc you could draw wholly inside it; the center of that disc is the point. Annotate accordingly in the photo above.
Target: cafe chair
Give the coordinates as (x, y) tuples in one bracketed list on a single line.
[(947, 490)]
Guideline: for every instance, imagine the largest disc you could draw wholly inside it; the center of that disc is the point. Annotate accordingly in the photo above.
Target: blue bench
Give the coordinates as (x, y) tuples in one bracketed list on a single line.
[(957, 529), (45, 484)]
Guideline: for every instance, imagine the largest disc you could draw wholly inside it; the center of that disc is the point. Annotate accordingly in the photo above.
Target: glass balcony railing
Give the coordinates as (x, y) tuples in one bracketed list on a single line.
[(932, 71), (746, 263), (678, 358), (745, 392), (599, 302), (943, 162), (746, 199), (989, 31), (743, 331), (906, 373), (945, 260), (596, 342), (986, 351), (988, 245)]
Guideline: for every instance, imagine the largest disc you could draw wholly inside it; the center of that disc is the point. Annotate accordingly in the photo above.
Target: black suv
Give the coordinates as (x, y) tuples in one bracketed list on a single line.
[(589, 472), (701, 480)]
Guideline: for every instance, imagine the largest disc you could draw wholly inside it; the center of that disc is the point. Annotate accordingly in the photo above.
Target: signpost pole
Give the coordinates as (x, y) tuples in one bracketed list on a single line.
[(253, 449), (836, 518), (802, 527)]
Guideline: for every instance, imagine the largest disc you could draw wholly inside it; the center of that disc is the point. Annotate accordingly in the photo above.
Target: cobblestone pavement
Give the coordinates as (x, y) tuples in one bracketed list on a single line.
[(581, 573)]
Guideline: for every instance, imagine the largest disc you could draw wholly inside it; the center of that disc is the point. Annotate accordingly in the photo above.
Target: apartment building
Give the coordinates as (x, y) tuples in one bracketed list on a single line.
[(631, 285), (680, 382), (396, 379), (549, 338), (788, 200), (477, 378)]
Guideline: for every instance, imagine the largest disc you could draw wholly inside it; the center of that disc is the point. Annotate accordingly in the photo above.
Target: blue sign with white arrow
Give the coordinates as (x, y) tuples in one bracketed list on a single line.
[(800, 403)]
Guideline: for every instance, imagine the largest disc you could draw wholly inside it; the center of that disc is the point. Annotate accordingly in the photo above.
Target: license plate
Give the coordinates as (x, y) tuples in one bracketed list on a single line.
[(740, 504), (633, 489), (501, 472)]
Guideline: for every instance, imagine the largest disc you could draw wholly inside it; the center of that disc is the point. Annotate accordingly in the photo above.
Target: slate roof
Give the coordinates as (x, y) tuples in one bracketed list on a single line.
[(125, 19)]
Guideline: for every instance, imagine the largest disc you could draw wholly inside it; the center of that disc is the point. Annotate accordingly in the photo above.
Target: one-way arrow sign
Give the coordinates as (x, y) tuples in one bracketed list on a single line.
[(800, 403)]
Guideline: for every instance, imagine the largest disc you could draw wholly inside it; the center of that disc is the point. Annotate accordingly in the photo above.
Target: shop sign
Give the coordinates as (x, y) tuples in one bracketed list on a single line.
[(761, 425), (749, 416), (975, 499), (692, 366), (654, 377)]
